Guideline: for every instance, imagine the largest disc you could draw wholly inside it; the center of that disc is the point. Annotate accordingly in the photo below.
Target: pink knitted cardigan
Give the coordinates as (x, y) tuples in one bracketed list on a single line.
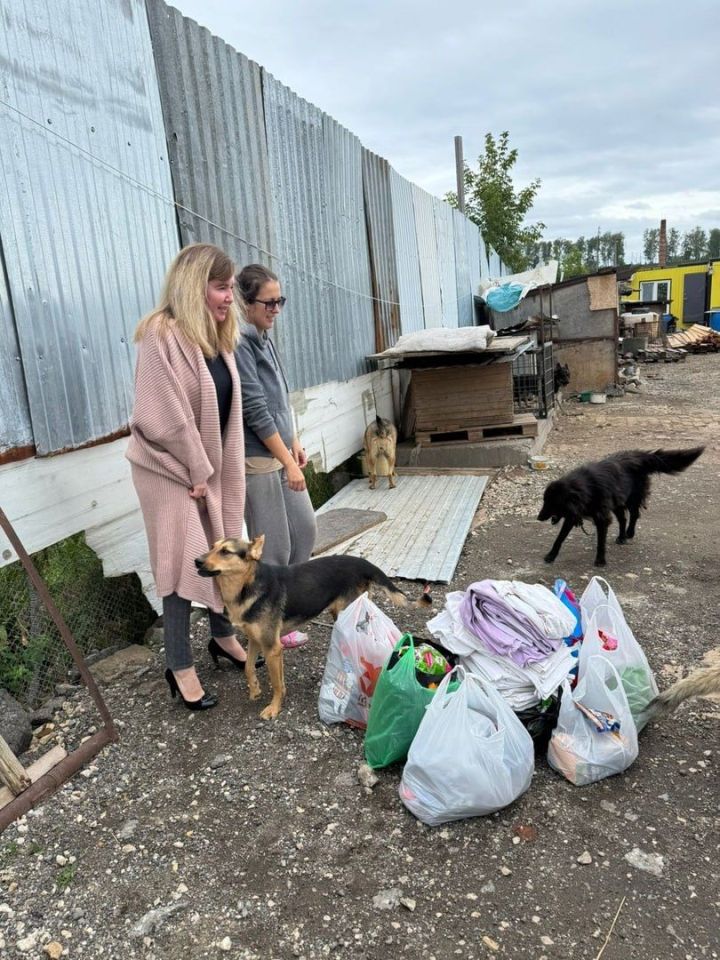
[(176, 443)]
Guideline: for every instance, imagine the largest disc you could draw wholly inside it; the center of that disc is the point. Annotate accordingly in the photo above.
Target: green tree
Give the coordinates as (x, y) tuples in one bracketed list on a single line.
[(582, 255), (673, 245), (651, 244), (695, 244), (714, 244), (572, 263), (493, 203)]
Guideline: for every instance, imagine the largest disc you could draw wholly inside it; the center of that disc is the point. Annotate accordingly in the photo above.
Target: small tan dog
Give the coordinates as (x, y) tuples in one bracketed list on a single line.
[(379, 443)]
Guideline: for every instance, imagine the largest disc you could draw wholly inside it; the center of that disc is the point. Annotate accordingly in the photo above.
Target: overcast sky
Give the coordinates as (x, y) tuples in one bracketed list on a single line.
[(614, 105)]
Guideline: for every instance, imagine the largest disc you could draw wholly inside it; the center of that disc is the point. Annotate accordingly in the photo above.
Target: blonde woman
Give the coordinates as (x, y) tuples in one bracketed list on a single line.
[(186, 450)]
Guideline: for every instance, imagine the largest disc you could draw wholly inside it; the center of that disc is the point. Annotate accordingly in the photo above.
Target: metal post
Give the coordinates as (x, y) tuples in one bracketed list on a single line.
[(460, 173)]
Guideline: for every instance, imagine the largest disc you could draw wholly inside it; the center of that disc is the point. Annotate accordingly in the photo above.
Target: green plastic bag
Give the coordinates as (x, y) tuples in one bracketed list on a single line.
[(397, 707)]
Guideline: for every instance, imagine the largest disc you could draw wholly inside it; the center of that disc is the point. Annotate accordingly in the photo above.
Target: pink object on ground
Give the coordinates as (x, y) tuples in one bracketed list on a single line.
[(294, 639)]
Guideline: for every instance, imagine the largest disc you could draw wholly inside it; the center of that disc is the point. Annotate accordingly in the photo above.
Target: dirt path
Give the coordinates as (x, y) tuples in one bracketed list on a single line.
[(256, 840)]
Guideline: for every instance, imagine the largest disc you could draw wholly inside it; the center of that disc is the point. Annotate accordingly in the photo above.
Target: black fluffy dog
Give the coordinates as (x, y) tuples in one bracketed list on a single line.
[(561, 376), (596, 491)]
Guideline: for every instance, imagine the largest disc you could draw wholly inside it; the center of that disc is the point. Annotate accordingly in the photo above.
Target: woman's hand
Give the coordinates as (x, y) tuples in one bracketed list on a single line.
[(296, 480), (198, 491), (298, 453)]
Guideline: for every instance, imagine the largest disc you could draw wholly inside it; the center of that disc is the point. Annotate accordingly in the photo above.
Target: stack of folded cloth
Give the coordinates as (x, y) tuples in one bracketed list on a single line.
[(510, 633)]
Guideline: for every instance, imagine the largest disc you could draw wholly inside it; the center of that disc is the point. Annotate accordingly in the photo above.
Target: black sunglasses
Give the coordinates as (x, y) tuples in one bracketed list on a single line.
[(271, 304)]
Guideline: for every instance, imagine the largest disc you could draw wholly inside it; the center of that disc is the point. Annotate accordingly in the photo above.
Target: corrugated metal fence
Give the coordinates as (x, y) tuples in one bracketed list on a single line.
[(127, 131)]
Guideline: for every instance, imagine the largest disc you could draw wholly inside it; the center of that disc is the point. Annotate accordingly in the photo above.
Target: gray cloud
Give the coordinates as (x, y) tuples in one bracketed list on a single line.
[(613, 106)]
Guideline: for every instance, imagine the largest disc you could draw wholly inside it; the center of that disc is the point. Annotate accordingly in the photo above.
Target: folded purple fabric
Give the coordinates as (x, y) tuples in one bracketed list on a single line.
[(502, 629)]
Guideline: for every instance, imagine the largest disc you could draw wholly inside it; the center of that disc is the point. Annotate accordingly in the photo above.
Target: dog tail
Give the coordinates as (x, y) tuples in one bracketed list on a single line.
[(672, 461), (700, 683), (400, 599)]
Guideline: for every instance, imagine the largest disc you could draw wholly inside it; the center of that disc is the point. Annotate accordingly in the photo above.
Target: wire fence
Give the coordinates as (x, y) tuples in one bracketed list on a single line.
[(45, 681), (101, 614)]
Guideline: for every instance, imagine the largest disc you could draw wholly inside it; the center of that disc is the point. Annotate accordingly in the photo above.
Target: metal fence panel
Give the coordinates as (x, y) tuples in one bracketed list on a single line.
[(484, 258), (352, 336), (427, 251), (445, 245), (86, 218), (462, 271), (15, 424), (381, 232), (298, 189), (212, 102), (475, 252), (412, 317)]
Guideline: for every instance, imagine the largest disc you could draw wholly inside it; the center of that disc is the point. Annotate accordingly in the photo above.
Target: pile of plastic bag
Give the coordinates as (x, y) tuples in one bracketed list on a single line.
[(513, 669)]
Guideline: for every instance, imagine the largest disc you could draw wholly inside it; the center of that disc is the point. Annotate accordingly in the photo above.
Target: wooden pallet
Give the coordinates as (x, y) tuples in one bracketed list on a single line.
[(523, 425)]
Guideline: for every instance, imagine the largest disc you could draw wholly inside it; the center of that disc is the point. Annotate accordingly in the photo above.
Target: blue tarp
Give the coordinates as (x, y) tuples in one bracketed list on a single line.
[(505, 297)]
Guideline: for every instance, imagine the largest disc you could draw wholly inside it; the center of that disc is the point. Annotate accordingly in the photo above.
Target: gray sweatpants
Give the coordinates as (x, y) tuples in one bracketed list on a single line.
[(285, 516)]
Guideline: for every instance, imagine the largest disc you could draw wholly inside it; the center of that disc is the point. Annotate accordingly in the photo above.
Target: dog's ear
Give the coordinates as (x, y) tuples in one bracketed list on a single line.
[(256, 547)]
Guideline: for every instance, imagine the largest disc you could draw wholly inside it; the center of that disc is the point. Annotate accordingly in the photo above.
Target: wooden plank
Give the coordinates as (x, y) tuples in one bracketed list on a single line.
[(336, 526), (523, 425), (35, 771), (49, 498), (12, 772)]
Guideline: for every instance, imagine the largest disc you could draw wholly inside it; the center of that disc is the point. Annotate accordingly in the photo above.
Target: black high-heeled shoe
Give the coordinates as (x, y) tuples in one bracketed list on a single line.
[(206, 701), (215, 651)]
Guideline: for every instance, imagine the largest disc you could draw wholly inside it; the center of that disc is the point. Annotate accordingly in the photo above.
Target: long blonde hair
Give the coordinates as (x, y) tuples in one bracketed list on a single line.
[(183, 300)]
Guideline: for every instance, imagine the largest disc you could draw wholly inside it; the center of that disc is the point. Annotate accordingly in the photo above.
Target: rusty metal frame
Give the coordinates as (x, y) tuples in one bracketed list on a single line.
[(47, 784)]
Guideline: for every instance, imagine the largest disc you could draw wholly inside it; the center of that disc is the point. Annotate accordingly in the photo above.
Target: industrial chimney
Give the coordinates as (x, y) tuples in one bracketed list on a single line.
[(662, 245)]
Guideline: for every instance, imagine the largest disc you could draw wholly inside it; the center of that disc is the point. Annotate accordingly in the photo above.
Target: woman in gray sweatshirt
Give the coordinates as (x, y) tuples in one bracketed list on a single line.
[(276, 500)]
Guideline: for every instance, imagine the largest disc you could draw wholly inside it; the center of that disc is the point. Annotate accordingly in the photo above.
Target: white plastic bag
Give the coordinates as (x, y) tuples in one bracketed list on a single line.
[(363, 638), (577, 749), (471, 755), (603, 615)]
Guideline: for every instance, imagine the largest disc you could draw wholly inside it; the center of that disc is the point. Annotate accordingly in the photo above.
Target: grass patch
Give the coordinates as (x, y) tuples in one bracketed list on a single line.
[(320, 486), (66, 876), (8, 852), (323, 486)]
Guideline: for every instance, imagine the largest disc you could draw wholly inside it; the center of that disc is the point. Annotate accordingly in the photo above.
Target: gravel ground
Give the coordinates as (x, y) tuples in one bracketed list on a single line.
[(216, 834)]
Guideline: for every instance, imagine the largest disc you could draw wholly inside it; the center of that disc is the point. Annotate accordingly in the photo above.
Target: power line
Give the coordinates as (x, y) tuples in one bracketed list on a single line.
[(172, 202)]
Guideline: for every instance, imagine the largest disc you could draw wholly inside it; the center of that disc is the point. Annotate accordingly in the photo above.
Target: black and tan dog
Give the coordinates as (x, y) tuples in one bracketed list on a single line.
[(267, 601)]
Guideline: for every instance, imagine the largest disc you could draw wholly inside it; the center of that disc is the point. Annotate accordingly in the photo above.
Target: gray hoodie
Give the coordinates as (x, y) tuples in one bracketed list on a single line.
[(265, 399)]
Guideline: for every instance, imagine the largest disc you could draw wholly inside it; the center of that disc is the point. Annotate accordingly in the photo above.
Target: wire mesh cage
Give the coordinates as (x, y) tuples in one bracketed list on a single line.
[(533, 380)]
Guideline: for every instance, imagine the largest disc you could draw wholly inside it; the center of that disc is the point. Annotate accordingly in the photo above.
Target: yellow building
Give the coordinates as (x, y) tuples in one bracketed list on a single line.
[(690, 290)]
